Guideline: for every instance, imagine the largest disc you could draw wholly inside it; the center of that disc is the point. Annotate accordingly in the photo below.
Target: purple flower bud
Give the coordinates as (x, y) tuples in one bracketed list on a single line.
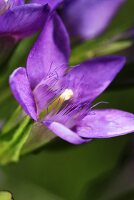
[(85, 19), (19, 20)]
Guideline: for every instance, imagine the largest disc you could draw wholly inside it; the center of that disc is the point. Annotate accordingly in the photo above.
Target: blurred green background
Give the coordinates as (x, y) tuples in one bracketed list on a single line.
[(100, 170)]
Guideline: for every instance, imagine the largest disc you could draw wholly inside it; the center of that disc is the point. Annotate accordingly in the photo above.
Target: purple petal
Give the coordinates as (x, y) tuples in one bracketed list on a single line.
[(66, 134), (14, 3), (50, 53), (106, 123), (21, 90), (91, 78), (3, 6), (88, 18), (23, 20), (44, 92), (52, 3), (2, 3), (42, 97)]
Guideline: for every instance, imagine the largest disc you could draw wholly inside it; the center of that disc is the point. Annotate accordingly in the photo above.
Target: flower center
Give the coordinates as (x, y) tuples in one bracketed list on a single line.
[(57, 103), (65, 111), (61, 101), (66, 95)]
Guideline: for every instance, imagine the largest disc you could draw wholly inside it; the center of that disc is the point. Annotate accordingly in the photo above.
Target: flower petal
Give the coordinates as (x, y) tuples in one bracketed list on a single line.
[(88, 18), (5, 5), (65, 133), (21, 90), (14, 3), (50, 53), (91, 78), (52, 3), (23, 20), (106, 123), (44, 92)]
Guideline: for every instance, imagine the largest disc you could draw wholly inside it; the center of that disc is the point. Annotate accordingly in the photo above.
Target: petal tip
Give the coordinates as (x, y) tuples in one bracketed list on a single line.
[(66, 134)]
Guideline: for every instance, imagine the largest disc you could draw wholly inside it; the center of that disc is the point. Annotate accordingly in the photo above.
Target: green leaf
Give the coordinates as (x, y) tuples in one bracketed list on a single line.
[(113, 48), (36, 133), (12, 142), (4, 195), (103, 47), (39, 136), (13, 120)]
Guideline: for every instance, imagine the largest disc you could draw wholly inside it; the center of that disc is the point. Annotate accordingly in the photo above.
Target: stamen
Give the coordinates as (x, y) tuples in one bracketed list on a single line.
[(101, 102), (66, 95)]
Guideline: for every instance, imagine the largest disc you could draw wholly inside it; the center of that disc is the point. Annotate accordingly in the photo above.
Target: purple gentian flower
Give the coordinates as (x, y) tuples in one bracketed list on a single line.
[(19, 20), (86, 19), (52, 3), (61, 97)]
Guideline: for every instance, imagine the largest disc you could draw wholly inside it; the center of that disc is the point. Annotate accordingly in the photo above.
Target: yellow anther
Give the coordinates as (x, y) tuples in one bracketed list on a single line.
[(66, 95), (56, 104)]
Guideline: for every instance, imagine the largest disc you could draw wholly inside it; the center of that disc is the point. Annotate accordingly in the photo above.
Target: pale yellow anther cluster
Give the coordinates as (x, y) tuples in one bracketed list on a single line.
[(66, 95)]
